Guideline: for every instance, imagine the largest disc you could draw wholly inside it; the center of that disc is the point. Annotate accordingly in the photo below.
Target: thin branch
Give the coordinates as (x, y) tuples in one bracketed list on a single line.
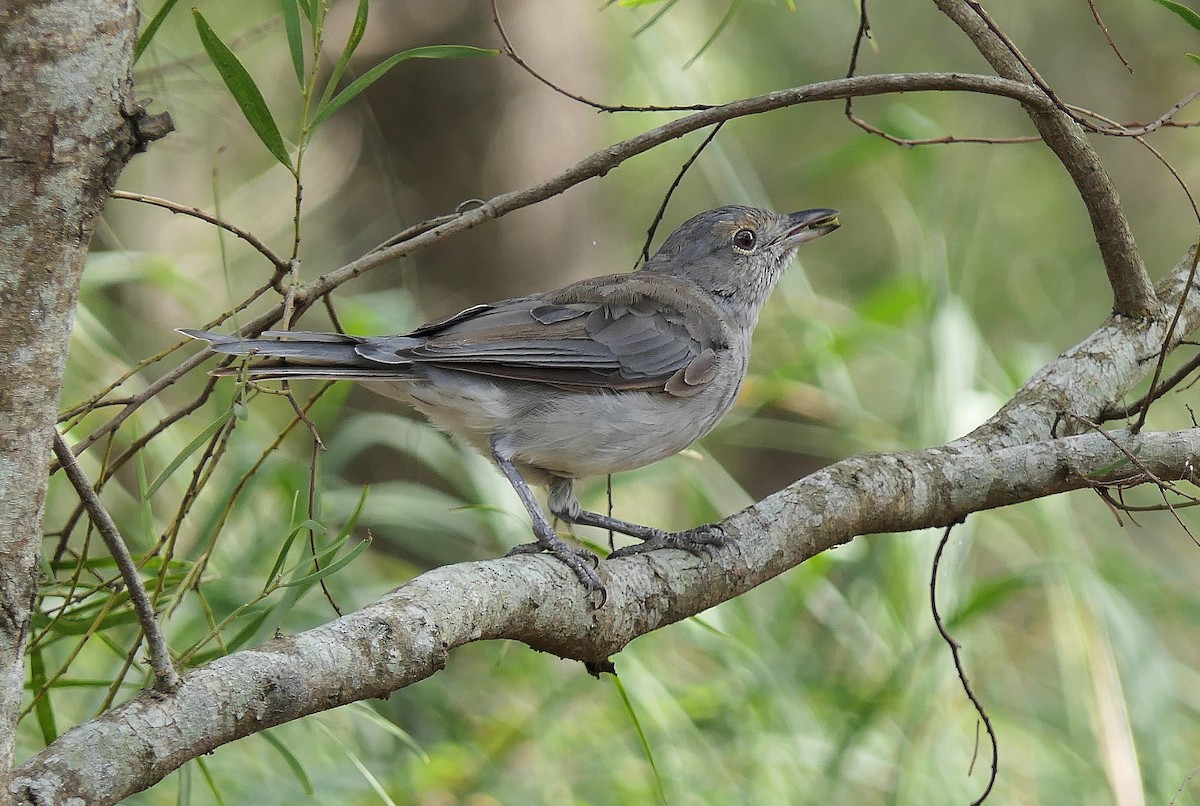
[(1107, 36), (662, 208), (958, 667), (165, 678), (1170, 335), (516, 59), (1133, 293), (601, 162), (196, 212)]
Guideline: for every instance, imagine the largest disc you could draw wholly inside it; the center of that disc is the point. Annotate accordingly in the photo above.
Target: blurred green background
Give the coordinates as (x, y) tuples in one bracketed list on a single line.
[(959, 270)]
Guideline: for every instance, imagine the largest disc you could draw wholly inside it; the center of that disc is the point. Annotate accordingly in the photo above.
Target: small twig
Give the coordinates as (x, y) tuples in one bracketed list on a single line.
[(512, 54), (312, 508), (333, 317), (165, 677), (864, 33), (1107, 36), (196, 212), (1162, 354), (662, 208), (1177, 377), (962, 674)]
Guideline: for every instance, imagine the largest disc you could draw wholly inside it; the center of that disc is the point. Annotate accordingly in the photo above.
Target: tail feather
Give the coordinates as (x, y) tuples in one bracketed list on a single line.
[(316, 355)]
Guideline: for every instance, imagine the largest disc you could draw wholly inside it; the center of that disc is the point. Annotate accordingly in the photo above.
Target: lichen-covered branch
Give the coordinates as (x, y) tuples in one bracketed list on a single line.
[(407, 636)]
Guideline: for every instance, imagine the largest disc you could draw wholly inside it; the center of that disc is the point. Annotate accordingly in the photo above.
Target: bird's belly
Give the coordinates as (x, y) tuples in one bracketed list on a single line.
[(551, 432)]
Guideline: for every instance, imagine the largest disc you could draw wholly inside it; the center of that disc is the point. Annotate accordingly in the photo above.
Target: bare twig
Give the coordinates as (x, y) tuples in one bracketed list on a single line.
[(1133, 293), (1162, 354), (165, 677), (662, 208), (1107, 36), (196, 212), (516, 59), (958, 666)]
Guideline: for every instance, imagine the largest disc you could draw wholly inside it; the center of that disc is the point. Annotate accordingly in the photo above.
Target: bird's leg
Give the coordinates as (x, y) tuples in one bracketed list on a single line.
[(581, 561), (699, 541)]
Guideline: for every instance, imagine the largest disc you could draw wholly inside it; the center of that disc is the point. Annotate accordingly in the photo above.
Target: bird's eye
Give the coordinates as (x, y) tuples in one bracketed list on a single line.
[(744, 239)]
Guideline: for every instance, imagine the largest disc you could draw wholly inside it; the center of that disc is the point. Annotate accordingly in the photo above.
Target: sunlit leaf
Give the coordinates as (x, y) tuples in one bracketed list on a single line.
[(152, 28), (243, 89), (377, 72)]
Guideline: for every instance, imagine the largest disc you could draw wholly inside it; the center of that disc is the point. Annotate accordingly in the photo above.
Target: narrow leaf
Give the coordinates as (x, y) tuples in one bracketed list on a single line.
[(188, 450), (243, 89), (290, 759), (637, 726), (43, 709), (333, 567), (1193, 57), (1185, 13), (291, 26), (152, 28), (375, 73), (356, 34), (721, 26)]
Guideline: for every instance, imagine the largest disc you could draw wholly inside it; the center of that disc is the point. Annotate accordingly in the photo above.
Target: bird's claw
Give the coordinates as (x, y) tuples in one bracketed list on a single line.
[(703, 541), (581, 561)]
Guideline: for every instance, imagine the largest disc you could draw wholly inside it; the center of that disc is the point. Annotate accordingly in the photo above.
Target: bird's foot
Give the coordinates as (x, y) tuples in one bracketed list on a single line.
[(703, 541), (579, 560)]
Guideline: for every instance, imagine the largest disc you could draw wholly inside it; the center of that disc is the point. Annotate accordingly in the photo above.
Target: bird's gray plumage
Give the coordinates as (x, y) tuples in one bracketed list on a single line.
[(606, 374)]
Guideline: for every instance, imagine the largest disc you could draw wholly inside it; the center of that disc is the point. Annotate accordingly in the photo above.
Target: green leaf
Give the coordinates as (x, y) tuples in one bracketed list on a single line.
[(291, 26), (637, 726), (375, 73), (44, 709), (281, 557), (1193, 57), (356, 34), (331, 568), (290, 759), (307, 8), (188, 450), (212, 783), (1185, 13), (721, 26), (243, 89), (152, 28)]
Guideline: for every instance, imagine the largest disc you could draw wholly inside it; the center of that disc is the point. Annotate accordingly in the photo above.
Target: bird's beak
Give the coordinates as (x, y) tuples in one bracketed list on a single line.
[(808, 225)]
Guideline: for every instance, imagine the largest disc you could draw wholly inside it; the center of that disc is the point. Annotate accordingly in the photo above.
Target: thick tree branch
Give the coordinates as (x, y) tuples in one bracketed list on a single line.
[(407, 635), (1133, 293)]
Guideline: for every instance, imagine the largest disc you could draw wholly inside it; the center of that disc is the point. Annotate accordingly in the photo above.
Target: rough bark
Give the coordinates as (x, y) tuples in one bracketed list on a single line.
[(66, 104)]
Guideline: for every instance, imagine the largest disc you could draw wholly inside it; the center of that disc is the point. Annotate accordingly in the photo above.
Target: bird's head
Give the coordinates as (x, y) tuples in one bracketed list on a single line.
[(738, 253)]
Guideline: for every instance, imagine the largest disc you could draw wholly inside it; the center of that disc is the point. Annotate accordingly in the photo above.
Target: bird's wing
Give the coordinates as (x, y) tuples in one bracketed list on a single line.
[(618, 332)]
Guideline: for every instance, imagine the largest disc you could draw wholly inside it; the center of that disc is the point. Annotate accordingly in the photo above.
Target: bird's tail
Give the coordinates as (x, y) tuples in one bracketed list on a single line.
[(296, 354)]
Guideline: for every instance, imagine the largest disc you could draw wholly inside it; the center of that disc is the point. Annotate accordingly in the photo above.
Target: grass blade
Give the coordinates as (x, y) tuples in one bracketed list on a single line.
[(243, 89), (375, 73)]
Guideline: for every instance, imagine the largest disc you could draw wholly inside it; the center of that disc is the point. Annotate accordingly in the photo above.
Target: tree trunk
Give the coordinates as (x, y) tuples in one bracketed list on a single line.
[(68, 125)]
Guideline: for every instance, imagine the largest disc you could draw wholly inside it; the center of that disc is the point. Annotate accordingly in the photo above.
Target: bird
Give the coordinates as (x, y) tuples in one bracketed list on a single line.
[(604, 375)]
